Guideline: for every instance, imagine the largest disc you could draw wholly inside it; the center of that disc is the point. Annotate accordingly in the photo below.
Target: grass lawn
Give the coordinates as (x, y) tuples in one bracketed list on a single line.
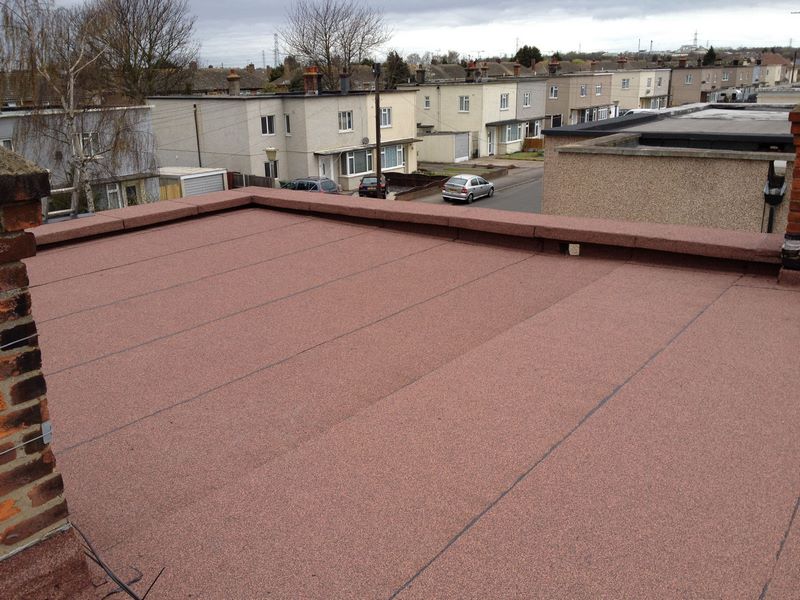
[(535, 155)]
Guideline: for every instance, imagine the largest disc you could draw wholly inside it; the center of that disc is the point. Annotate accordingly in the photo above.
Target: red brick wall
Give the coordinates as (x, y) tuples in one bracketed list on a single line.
[(31, 500), (790, 273)]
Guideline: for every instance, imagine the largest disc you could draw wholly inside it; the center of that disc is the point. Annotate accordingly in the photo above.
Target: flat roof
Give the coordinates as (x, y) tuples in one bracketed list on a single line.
[(713, 120), (182, 171), (278, 404), (741, 126)]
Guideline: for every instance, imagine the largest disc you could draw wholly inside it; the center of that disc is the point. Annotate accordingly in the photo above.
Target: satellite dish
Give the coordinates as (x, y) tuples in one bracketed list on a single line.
[(365, 140)]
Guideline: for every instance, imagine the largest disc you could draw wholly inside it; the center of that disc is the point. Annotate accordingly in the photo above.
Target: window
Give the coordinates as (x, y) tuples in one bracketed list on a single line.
[(598, 89), (555, 121), (357, 162), (626, 84), (90, 143), (6, 143), (649, 82), (511, 133), (131, 197), (688, 80), (725, 76), (112, 195), (553, 91), (427, 104), (386, 116), (659, 81), (584, 90), (526, 99), (463, 104), (345, 120), (503, 101), (392, 156), (602, 114), (271, 169), (268, 125), (288, 123)]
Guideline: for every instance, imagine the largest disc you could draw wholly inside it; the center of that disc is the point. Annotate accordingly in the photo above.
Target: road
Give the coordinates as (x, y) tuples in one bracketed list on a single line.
[(520, 190)]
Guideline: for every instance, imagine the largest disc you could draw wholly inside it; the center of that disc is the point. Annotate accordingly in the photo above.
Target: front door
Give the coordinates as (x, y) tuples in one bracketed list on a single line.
[(490, 141)]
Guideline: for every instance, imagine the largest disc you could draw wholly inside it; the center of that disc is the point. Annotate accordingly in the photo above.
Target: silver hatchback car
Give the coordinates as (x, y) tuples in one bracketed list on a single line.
[(467, 187)]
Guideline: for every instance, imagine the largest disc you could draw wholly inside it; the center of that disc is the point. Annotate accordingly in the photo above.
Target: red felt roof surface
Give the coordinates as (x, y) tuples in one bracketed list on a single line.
[(280, 405)]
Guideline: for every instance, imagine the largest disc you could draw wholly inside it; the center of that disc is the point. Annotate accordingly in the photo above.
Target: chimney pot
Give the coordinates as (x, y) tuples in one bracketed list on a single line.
[(234, 83)]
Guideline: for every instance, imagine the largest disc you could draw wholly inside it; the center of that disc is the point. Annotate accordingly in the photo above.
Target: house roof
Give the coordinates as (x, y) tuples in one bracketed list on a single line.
[(423, 402), (215, 79), (772, 58)]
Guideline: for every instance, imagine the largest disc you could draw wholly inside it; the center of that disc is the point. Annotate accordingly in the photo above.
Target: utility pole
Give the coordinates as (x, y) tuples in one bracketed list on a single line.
[(376, 72)]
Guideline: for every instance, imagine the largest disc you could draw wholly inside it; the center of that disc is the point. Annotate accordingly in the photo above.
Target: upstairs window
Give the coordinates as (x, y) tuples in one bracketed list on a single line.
[(526, 99), (553, 91), (6, 143), (287, 122), (427, 104), (463, 104), (584, 90), (268, 125), (649, 82), (598, 89), (659, 82), (90, 143), (688, 80), (346, 120), (503, 101), (386, 116), (626, 84)]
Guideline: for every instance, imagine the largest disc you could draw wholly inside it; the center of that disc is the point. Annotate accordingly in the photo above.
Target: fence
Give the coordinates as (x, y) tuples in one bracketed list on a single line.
[(237, 180)]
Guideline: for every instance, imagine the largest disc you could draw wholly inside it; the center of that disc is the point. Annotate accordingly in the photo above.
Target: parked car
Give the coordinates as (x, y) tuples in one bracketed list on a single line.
[(369, 187), (467, 187), (313, 184)]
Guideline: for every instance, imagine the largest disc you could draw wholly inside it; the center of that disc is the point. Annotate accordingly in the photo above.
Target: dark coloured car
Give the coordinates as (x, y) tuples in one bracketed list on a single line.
[(369, 187), (313, 184)]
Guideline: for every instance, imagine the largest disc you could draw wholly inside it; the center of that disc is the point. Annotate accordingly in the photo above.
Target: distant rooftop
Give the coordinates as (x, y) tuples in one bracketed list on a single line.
[(726, 126)]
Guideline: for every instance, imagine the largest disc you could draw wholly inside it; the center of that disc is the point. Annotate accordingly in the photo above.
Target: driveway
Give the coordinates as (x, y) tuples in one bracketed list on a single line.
[(520, 190)]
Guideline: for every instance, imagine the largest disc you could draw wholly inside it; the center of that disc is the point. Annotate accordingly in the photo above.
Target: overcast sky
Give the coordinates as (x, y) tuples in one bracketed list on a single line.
[(236, 32)]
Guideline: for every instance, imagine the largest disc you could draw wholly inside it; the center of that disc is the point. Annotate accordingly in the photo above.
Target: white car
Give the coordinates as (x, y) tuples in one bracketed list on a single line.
[(467, 187)]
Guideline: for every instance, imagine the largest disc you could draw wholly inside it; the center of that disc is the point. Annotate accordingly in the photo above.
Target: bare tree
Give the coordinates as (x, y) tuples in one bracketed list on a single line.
[(334, 34), (147, 45), (56, 56)]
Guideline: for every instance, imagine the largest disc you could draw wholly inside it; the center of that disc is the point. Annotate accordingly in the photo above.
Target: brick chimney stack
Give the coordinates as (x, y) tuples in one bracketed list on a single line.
[(553, 66), (621, 63), (39, 554), (419, 74), (790, 253), (234, 82), (311, 81), (517, 69)]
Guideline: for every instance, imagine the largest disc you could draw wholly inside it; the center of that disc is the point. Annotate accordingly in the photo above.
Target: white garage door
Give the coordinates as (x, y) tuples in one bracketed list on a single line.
[(461, 142), (203, 185)]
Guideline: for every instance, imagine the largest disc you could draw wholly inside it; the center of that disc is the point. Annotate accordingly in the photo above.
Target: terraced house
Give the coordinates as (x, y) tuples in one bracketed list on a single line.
[(481, 117), (285, 136), (579, 98)]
